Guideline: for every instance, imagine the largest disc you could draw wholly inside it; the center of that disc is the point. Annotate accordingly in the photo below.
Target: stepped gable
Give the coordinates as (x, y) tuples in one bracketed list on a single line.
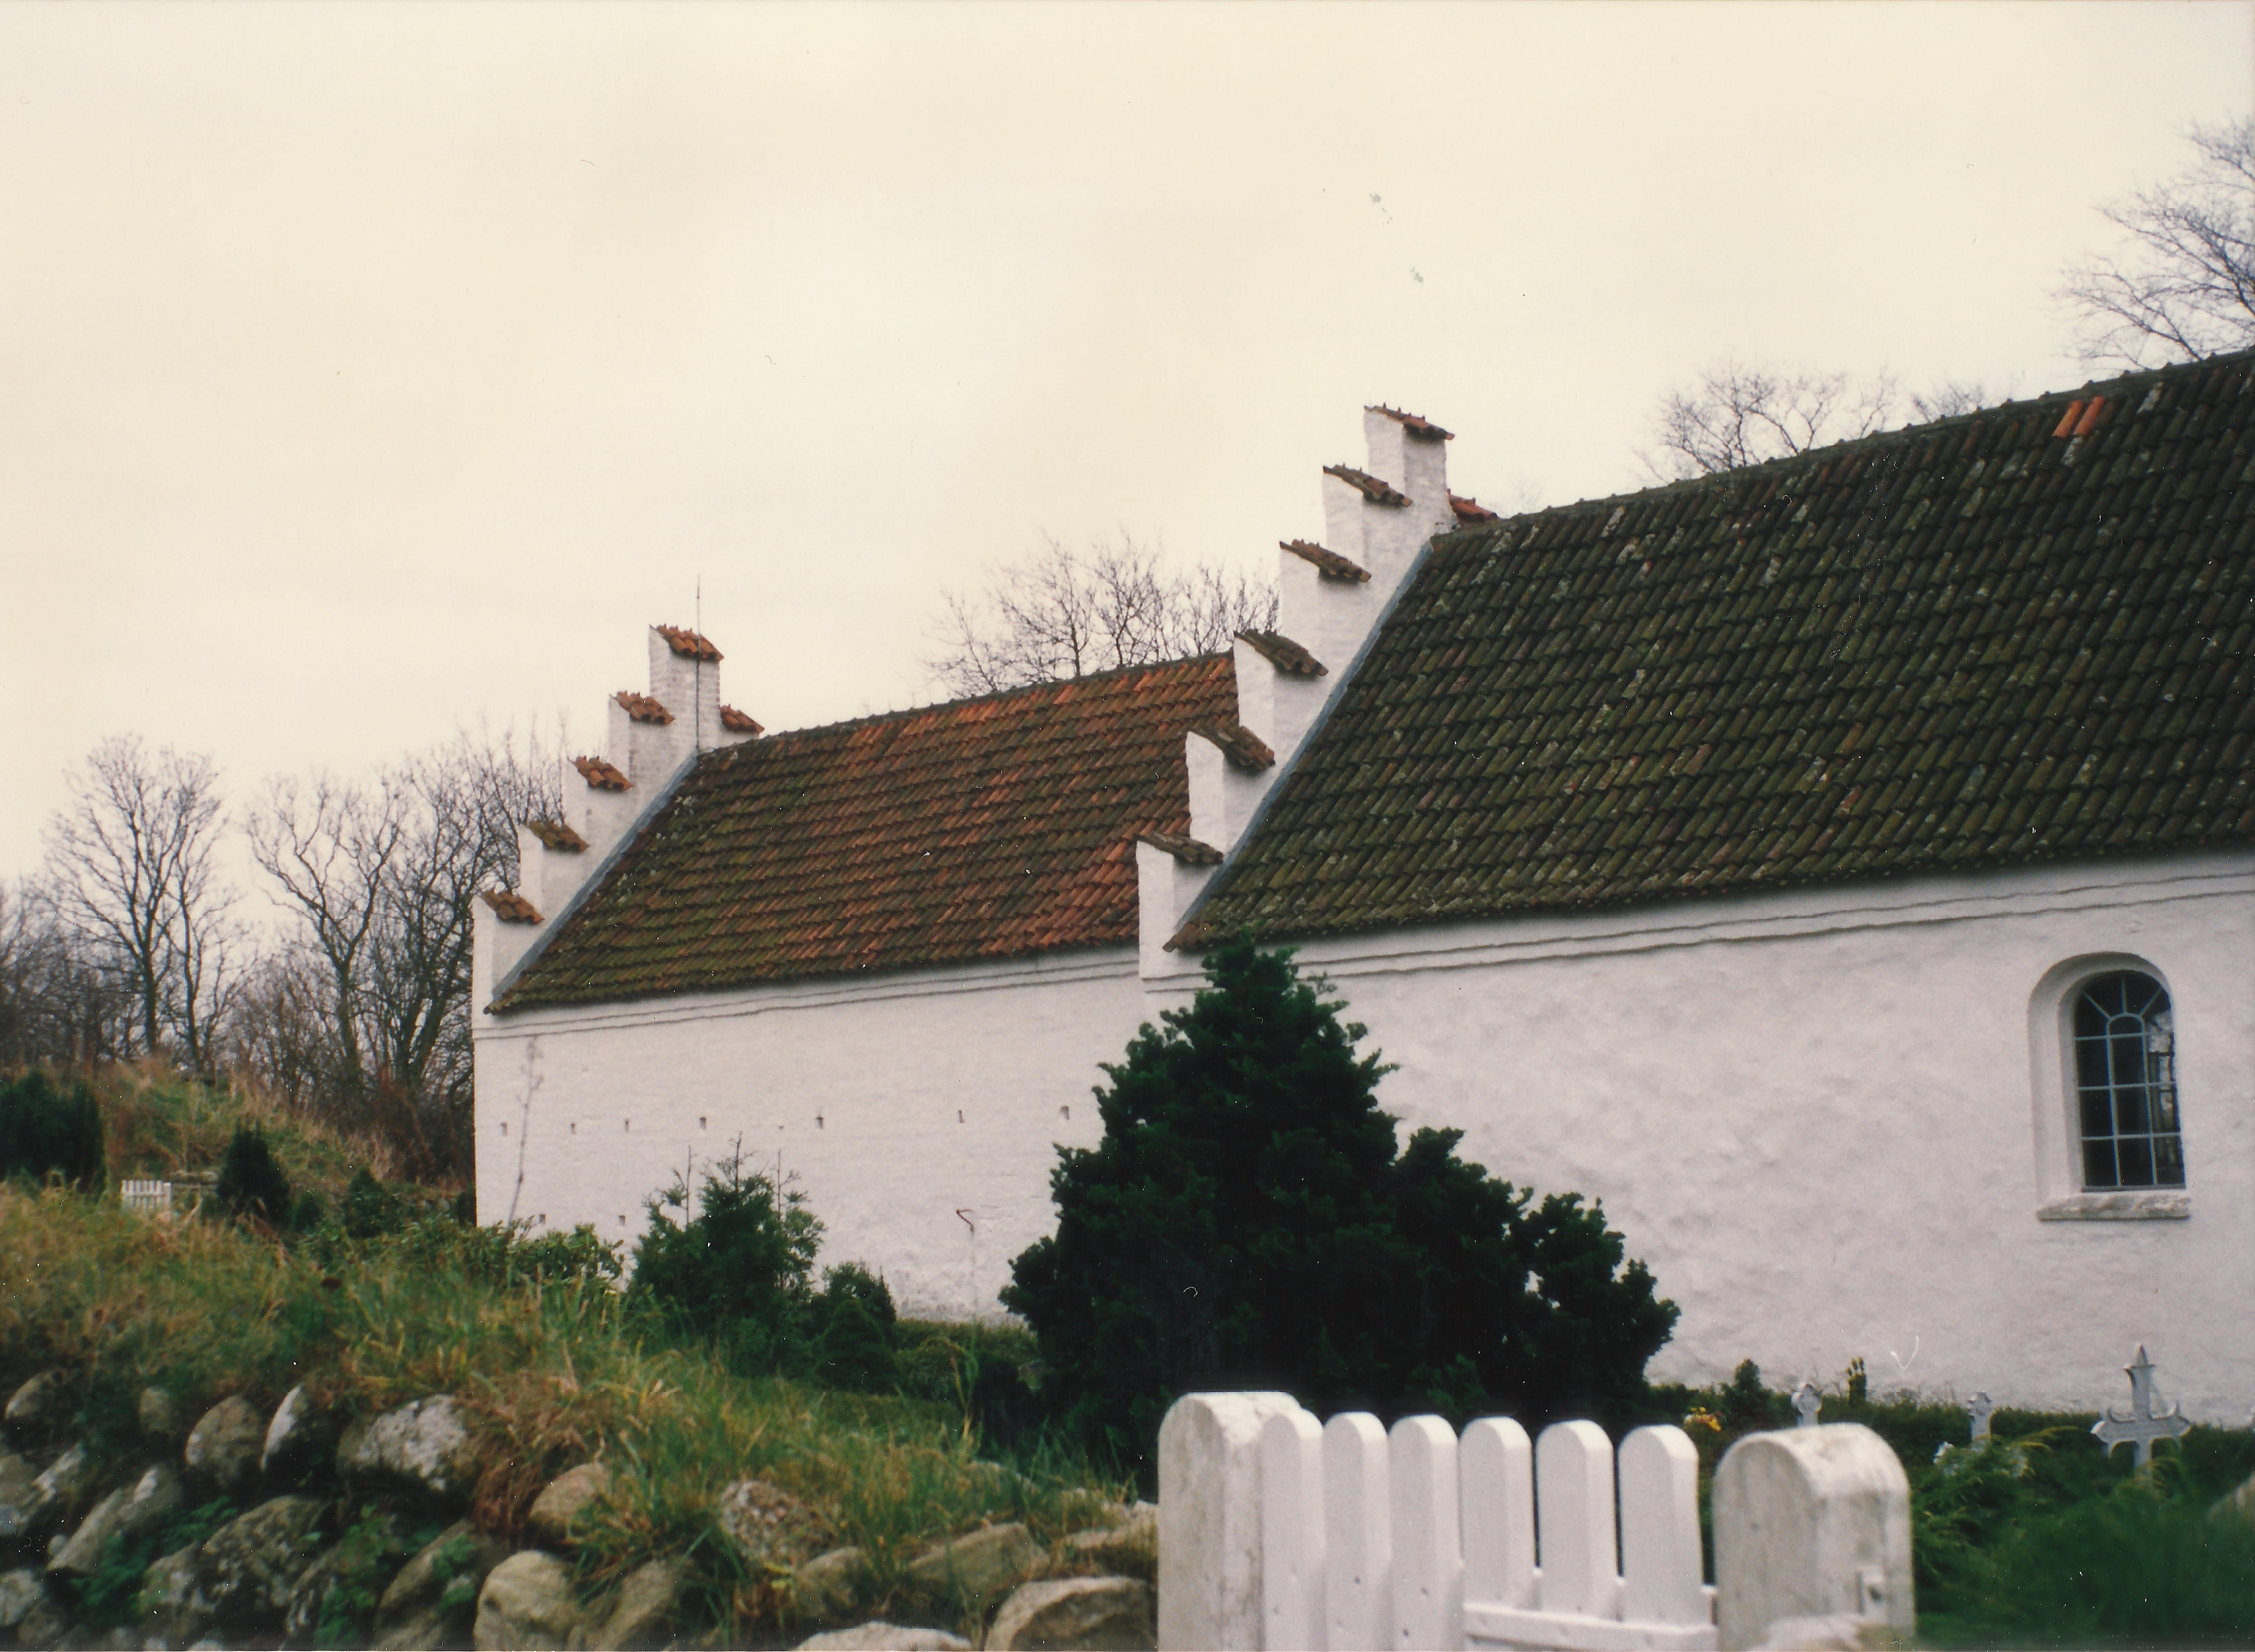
[(2021, 635), (979, 829)]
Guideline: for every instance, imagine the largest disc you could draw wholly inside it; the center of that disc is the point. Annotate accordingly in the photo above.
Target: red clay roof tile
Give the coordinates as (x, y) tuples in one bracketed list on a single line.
[(1284, 653), (599, 773), (556, 836), (510, 906), (1368, 486), (1330, 564), (1239, 744), (981, 828), (1471, 509), (688, 645), (641, 707), (1413, 423), (738, 722), (1183, 847)]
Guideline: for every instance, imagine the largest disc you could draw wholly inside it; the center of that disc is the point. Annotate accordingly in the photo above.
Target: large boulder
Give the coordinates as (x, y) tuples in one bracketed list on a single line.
[(643, 1615), (766, 1524), (1099, 1614), (21, 1591), (563, 1500), (45, 1618), (827, 1586), (979, 1566), (1129, 1547), (885, 1637), (124, 1512), (224, 1446), (527, 1604), (171, 1611), (17, 1476), (425, 1450), (333, 1602), (40, 1407), (434, 1597), (53, 1497), (300, 1437), (158, 1414), (248, 1567)]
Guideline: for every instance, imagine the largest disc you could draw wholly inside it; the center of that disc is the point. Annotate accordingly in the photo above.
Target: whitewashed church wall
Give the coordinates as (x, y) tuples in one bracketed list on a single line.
[(1826, 1121), (918, 1111)]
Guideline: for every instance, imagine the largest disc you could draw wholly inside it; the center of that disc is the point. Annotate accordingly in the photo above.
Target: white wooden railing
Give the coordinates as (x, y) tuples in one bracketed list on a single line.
[(1277, 1530), (150, 1198), (1411, 1539)]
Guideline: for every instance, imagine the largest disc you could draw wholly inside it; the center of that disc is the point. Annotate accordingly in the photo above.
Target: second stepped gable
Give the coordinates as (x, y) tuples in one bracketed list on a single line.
[(2017, 636), (979, 829)]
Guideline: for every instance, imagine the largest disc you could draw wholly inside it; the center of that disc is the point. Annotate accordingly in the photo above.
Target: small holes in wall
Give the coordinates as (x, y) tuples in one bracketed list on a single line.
[(630, 1124), (505, 1127), (575, 1126), (959, 1116), (1065, 1112), (701, 1120), (817, 1120), (622, 1220)]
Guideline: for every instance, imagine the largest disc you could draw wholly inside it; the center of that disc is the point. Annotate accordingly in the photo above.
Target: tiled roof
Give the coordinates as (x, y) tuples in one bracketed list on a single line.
[(1330, 564), (643, 709), (1284, 653), (556, 836), (2021, 635), (1469, 511), (1414, 425), (982, 828), (601, 775), (688, 645), (737, 722), (510, 906), (1368, 486)]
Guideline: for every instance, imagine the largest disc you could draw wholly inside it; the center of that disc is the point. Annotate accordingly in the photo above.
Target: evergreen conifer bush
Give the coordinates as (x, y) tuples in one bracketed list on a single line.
[(738, 1273), (250, 1183), (1250, 1222), (46, 1129)]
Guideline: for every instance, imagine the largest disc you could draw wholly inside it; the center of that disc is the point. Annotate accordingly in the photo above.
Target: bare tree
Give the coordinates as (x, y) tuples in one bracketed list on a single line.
[(331, 846), (1738, 416), (2183, 285), (131, 866), (1065, 612), (58, 1005)]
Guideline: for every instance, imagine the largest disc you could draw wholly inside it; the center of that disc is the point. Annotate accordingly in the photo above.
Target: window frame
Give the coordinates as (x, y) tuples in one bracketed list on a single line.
[(2061, 1195)]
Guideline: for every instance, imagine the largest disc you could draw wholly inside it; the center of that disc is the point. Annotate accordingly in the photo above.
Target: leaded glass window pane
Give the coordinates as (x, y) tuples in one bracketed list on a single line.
[(2125, 1084)]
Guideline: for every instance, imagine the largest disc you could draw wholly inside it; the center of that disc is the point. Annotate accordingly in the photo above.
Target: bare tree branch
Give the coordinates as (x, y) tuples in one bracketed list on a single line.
[(2183, 285), (130, 863), (1065, 612), (1738, 416)]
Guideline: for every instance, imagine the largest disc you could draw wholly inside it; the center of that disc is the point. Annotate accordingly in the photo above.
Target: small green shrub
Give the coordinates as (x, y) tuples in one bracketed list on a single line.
[(46, 1129), (737, 1273), (1251, 1222), (855, 1328), (250, 1183), (369, 1210)]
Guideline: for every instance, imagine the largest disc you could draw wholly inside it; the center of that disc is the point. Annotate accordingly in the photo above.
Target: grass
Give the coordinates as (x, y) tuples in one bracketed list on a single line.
[(159, 1124), (552, 1373)]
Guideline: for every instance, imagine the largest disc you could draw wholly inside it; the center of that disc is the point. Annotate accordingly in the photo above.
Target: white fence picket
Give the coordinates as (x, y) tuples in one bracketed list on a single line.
[(1358, 1536), (1292, 1530), (1429, 1567), (1496, 1468), (148, 1197), (1574, 1520), (1661, 1562)]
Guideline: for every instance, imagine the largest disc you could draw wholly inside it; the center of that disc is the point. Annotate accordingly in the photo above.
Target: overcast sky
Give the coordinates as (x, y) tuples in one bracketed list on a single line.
[(368, 371)]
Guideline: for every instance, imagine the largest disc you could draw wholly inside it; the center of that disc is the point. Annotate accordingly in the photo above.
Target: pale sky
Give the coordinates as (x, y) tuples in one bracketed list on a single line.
[(365, 371)]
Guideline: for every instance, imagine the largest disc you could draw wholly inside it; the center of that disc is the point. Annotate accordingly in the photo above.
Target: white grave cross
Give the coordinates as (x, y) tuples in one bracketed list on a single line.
[(1806, 1403), (1980, 1408), (2144, 1424)]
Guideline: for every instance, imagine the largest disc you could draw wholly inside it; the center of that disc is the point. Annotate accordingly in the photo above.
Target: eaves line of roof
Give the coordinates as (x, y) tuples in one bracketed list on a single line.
[(1339, 684)]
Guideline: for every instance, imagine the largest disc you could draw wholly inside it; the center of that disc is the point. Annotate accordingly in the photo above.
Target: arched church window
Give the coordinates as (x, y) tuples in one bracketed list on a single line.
[(2125, 1084)]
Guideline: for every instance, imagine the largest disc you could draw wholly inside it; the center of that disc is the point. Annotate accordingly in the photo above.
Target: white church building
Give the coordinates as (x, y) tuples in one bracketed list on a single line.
[(1844, 869)]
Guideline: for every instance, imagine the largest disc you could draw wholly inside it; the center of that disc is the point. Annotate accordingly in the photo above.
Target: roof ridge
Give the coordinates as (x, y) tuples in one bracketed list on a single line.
[(1902, 433)]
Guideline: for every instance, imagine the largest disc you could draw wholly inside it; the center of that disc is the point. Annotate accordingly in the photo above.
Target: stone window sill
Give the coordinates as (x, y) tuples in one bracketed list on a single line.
[(2144, 1205)]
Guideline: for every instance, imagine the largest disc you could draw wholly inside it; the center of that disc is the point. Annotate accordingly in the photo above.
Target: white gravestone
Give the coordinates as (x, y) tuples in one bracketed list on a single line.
[(1811, 1522), (1210, 1518)]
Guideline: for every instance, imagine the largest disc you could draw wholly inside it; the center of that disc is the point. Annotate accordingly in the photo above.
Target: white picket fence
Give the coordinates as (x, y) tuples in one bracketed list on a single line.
[(1413, 1539), (150, 1198)]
